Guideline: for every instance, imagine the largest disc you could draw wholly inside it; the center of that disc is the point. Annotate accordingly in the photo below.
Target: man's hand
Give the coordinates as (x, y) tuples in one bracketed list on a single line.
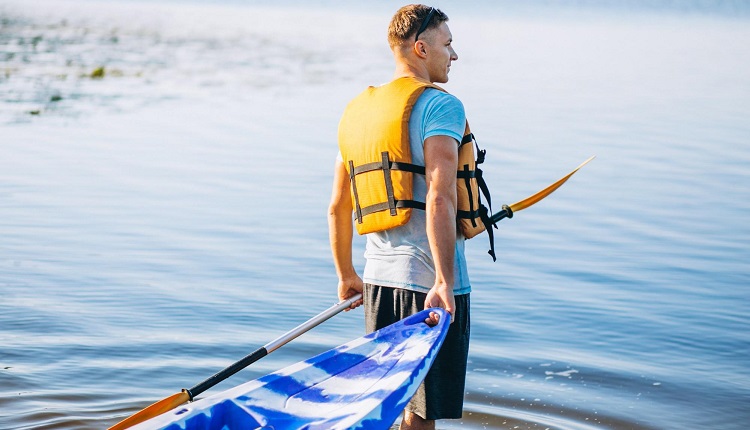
[(349, 287), (440, 296)]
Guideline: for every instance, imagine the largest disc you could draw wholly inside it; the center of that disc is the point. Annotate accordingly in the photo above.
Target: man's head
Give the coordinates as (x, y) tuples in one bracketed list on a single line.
[(413, 19), (419, 36)]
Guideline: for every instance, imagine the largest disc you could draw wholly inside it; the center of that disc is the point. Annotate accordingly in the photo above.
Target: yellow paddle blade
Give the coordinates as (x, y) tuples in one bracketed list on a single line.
[(530, 201), (158, 408)]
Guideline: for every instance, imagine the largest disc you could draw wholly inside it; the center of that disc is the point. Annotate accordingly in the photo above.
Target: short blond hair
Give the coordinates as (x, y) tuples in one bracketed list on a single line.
[(407, 20)]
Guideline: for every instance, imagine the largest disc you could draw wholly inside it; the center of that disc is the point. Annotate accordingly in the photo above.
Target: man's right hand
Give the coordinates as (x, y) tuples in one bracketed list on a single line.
[(440, 296), (349, 287)]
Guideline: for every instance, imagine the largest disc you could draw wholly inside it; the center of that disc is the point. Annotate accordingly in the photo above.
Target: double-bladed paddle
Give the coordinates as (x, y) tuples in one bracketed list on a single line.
[(507, 211), (186, 395)]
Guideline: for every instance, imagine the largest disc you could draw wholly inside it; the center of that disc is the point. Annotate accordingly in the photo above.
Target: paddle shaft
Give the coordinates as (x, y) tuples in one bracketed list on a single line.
[(271, 346), (185, 395)]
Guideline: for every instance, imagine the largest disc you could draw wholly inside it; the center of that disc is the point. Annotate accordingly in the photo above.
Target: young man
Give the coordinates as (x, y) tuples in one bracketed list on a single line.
[(415, 253)]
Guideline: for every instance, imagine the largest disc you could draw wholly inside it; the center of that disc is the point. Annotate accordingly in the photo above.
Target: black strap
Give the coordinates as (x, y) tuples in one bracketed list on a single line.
[(466, 174), (483, 187), (391, 204), (467, 180), (393, 165), (352, 178), (467, 214), (407, 167), (481, 153), (377, 207), (485, 216), (470, 174), (386, 166), (482, 213)]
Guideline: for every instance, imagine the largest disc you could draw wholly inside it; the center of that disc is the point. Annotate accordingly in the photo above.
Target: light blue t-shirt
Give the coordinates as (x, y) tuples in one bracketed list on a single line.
[(400, 257)]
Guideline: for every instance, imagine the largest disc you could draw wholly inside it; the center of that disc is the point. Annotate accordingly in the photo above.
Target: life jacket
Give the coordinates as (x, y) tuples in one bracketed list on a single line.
[(374, 143)]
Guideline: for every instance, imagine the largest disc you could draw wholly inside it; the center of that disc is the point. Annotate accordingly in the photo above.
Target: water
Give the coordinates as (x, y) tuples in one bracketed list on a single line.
[(160, 222)]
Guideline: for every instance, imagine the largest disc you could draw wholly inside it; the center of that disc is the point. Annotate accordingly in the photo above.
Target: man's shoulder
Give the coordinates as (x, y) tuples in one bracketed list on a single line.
[(437, 94), (435, 100), (440, 113), (440, 106)]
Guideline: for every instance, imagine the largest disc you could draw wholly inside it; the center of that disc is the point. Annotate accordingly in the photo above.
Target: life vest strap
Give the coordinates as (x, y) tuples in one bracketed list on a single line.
[(468, 214), (394, 165), (391, 203), (413, 204), (386, 166), (482, 212), (483, 187), (485, 216), (352, 178), (481, 153), (467, 174)]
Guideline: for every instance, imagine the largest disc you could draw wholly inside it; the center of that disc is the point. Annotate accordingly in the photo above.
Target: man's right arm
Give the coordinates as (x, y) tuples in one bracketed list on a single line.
[(441, 158), (340, 233)]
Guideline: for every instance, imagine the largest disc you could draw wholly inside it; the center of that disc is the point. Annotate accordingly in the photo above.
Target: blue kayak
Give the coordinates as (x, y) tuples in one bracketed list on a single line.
[(363, 384)]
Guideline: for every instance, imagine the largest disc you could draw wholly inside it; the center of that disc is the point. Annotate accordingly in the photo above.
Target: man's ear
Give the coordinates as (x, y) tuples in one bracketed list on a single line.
[(420, 48)]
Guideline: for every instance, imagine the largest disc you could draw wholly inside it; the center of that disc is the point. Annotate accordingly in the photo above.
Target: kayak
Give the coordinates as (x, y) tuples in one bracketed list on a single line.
[(362, 384)]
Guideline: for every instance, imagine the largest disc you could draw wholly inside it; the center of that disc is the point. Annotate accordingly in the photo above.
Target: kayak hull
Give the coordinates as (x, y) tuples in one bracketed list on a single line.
[(363, 384)]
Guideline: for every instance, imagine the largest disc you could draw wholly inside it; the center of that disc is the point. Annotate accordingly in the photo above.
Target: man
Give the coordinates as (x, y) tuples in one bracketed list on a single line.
[(415, 255)]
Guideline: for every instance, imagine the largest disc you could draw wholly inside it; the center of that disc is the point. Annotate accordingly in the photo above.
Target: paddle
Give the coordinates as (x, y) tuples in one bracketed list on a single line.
[(186, 395), (507, 211)]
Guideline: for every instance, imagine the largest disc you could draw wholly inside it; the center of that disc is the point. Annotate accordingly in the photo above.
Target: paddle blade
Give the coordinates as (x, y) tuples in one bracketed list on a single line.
[(530, 201), (154, 410)]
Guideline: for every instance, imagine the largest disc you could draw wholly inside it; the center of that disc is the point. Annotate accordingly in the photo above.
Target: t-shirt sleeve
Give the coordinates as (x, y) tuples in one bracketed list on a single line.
[(445, 116)]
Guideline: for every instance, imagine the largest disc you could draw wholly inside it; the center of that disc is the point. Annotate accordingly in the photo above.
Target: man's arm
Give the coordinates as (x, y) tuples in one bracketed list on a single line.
[(340, 232), (441, 158)]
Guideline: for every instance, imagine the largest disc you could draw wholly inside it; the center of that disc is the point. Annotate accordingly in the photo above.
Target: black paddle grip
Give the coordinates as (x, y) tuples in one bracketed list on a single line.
[(507, 212), (226, 373)]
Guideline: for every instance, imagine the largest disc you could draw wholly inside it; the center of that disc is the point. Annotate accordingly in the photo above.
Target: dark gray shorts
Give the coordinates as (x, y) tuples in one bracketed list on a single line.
[(441, 395)]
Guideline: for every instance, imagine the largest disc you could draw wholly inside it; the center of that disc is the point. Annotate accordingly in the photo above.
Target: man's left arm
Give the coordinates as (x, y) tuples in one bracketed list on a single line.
[(340, 231)]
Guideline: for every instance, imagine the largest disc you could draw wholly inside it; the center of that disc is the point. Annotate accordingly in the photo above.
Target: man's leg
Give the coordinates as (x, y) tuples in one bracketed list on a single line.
[(413, 421), (440, 396)]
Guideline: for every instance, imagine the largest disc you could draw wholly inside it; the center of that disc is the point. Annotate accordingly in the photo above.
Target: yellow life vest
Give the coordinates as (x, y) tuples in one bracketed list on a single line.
[(374, 143)]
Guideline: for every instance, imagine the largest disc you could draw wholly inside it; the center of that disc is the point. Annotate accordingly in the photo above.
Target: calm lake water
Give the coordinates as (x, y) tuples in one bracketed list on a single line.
[(164, 219)]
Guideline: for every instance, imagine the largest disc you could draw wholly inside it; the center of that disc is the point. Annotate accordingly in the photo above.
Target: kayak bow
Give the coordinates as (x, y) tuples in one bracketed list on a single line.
[(363, 384)]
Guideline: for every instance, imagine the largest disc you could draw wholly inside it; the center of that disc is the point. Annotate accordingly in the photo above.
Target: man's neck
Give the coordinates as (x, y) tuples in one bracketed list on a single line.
[(406, 68)]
